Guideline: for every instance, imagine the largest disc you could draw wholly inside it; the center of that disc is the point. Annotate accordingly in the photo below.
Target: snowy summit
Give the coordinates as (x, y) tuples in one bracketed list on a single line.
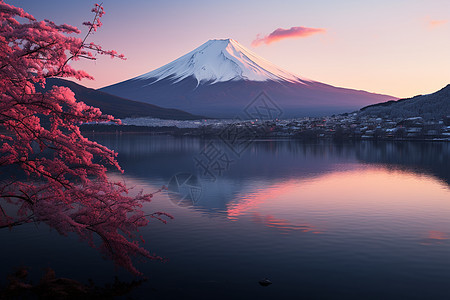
[(220, 61), (222, 79)]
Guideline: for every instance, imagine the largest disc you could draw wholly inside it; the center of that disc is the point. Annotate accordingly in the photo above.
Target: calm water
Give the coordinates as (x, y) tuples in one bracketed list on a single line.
[(320, 220)]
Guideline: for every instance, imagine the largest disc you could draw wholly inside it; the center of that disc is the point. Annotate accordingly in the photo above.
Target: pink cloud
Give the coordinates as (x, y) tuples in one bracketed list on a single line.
[(280, 34), (436, 23), (432, 23)]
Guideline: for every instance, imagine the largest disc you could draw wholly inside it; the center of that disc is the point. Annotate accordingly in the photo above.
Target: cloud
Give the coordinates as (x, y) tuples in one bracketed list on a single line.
[(280, 34), (432, 23)]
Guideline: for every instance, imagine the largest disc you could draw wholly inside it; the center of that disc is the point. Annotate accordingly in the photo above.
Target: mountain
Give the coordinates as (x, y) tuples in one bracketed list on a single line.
[(432, 106), (221, 78), (120, 107)]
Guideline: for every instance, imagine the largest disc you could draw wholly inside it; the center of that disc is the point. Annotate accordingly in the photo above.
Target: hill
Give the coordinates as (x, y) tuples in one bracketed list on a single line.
[(431, 106), (120, 107)]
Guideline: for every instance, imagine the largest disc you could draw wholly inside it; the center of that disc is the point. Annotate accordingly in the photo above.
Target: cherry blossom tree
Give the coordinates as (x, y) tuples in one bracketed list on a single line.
[(59, 175)]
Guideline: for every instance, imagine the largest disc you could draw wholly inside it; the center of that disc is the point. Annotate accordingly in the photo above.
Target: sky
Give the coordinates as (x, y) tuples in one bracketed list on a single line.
[(395, 47)]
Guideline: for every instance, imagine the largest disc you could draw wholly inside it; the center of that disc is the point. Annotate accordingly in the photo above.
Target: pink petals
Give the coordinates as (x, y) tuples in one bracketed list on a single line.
[(66, 186)]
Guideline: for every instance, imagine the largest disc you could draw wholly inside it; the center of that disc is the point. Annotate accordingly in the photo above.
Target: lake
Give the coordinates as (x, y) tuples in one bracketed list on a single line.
[(320, 220)]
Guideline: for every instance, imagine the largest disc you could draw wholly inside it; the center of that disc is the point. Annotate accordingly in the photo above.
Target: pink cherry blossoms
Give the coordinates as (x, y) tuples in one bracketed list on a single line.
[(59, 175)]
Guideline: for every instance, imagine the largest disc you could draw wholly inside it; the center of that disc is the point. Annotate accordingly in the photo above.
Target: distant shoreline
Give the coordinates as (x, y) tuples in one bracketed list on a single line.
[(201, 133)]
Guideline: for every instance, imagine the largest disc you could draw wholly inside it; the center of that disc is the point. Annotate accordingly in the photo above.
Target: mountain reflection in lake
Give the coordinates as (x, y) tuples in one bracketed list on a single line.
[(320, 220)]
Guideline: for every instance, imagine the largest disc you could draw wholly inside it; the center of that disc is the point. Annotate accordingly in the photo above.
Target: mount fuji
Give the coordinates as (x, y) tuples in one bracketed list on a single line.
[(221, 78)]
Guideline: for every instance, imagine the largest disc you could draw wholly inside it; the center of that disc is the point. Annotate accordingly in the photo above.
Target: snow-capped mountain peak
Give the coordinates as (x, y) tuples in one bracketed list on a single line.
[(223, 79), (219, 61)]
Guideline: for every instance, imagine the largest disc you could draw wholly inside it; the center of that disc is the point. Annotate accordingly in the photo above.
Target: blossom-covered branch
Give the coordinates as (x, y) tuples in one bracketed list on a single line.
[(65, 183)]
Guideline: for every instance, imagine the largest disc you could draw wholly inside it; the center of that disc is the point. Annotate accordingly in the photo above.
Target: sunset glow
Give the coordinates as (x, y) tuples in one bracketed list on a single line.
[(329, 201), (377, 46), (437, 23)]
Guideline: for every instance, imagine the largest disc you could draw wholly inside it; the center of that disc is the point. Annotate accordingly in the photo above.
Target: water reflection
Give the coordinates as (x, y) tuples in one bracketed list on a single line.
[(291, 186), (421, 158), (267, 167), (435, 237), (283, 225), (159, 153), (320, 220)]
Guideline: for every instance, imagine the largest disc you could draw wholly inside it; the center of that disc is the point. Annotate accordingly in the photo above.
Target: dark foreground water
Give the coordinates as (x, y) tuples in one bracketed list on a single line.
[(320, 220)]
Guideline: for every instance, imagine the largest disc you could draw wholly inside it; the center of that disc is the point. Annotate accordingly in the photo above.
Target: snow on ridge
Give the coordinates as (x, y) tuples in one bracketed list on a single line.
[(219, 61)]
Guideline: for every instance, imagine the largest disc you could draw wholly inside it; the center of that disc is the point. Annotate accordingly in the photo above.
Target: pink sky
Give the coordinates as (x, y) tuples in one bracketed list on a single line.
[(398, 48)]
